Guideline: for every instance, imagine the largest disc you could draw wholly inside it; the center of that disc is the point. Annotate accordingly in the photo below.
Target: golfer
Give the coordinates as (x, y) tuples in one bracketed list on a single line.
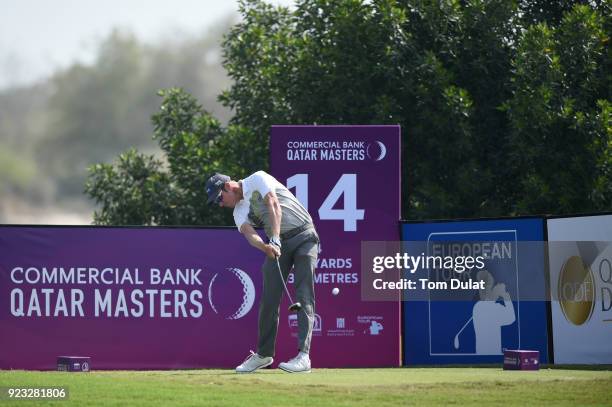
[(260, 200)]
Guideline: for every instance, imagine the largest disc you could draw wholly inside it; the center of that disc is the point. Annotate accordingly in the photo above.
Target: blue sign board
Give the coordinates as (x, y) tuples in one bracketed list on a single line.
[(472, 325)]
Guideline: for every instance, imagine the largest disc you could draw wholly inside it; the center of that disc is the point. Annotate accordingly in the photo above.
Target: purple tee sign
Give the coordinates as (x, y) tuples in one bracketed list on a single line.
[(348, 177), (128, 298)]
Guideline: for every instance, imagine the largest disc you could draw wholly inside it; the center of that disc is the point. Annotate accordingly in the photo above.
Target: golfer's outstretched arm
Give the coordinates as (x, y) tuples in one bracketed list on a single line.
[(274, 211), (256, 241)]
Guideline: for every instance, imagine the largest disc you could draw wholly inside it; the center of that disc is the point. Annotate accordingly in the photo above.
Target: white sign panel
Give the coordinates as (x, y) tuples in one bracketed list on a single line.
[(580, 257)]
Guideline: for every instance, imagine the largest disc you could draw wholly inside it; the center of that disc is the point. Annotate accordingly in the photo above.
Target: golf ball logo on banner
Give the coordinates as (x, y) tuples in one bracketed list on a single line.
[(376, 151), (248, 293)]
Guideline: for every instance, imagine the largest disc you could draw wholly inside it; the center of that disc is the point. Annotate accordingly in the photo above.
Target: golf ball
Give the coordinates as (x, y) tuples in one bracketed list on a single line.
[(335, 291)]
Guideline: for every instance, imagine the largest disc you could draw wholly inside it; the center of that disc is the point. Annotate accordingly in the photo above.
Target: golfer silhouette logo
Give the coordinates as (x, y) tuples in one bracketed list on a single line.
[(488, 316), (375, 328)]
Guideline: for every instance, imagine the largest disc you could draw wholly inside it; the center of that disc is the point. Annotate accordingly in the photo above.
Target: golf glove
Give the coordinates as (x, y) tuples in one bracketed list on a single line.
[(275, 240)]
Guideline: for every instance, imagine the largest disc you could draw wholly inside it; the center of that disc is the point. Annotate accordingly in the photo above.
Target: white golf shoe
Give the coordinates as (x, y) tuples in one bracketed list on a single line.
[(254, 362), (299, 364)]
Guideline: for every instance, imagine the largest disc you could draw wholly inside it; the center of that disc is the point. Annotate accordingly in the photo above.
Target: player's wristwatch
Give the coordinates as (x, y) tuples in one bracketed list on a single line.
[(275, 240)]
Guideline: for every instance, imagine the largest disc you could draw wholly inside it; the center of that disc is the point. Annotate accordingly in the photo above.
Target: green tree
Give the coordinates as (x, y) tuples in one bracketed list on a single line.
[(560, 117), (504, 109), (551, 12), (142, 190)]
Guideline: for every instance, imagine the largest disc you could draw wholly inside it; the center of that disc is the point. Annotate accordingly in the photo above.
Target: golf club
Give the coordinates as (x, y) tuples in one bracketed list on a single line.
[(456, 341), (295, 306)]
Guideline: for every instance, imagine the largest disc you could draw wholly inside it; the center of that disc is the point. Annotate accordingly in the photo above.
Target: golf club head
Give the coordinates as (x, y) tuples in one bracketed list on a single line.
[(456, 343), (295, 307)]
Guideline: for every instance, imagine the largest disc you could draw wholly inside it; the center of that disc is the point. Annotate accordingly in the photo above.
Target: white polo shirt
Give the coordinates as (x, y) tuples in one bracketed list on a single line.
[(252, 208)]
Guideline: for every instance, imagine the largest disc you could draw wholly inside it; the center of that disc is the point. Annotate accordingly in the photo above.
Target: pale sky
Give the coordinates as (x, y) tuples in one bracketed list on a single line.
[(39, 36)]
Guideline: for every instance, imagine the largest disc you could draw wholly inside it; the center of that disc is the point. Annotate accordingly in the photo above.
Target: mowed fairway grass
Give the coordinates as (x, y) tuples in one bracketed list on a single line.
[(323, 387)]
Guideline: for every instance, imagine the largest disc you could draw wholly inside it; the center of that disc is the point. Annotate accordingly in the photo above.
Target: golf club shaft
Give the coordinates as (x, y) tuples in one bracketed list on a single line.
[(280, 273), (466, 324)]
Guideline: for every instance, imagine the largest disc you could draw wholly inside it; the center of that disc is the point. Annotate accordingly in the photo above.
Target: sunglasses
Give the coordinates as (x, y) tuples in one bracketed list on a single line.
[(219, 198)]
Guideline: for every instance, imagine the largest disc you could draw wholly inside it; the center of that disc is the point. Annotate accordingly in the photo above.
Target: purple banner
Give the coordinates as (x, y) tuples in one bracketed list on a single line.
[(348, 177), (129, 298)]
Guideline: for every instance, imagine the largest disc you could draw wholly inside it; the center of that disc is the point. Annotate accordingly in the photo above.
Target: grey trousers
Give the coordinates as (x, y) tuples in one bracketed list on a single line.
[(299, 252)]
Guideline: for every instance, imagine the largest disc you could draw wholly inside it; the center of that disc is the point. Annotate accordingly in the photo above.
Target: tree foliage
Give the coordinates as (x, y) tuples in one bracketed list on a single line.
[(142, 190), (559, 115), (504, 105)]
